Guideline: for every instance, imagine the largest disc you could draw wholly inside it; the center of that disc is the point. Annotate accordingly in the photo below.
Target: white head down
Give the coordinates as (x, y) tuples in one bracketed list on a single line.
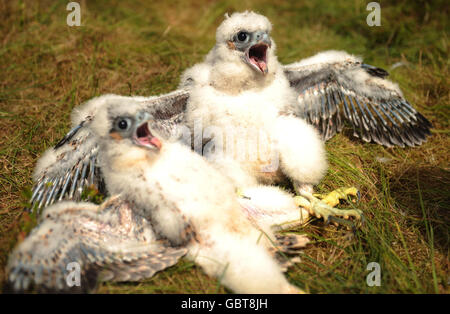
[(244, 51)]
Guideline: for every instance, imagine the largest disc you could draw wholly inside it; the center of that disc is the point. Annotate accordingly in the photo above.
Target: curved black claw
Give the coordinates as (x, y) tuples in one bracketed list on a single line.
[(351, 225)]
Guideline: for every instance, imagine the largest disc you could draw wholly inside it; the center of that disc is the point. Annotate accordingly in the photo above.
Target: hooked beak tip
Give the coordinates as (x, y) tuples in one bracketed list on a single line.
[(156, 142), (257, 56), (145, 138)]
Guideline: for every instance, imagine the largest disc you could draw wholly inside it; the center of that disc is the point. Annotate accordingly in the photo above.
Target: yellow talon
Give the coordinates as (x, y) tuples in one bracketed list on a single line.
[(333, 198), (300, 201), (324, 208)]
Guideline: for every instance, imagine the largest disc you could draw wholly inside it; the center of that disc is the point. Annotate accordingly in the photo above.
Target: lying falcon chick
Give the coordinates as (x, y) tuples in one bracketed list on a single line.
[(186, 200)]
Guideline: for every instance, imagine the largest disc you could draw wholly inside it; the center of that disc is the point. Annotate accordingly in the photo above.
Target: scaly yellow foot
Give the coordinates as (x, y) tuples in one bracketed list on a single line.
[(335, 196), (323, 209)]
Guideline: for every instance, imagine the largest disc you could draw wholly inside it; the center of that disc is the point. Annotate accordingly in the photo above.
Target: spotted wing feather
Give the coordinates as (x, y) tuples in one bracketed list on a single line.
[(107, 242)]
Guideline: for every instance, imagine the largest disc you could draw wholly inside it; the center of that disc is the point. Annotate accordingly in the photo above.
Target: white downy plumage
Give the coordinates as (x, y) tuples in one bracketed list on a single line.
[(191, 203), (241, 98)]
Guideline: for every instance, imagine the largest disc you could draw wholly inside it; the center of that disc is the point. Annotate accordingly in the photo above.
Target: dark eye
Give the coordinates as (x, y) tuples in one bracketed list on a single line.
[(242, 36), (123, 124)]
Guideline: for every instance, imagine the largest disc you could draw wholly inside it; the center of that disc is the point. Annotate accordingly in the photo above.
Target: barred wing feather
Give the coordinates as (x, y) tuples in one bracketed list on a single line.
[(334, 86)]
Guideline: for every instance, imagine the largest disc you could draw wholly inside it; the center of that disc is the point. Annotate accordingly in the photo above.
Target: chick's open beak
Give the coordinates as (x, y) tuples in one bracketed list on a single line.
[(256, 55), (144, 137)]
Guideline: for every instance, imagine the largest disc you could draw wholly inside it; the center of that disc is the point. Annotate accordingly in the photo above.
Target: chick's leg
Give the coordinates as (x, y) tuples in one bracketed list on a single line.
[(241, 263), (301, 150), (303, 159), (271, 208)]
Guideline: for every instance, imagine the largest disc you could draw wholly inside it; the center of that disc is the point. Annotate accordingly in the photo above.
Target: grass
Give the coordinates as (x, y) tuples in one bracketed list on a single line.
[(141, 48)]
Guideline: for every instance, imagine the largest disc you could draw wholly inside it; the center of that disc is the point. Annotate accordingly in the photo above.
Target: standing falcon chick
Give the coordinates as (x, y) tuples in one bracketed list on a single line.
[(242, 86), (242, 102), (186, 200)]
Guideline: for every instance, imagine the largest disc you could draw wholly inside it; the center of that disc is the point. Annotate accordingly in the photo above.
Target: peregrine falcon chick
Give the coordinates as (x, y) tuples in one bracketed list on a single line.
[(241, 108), (186, 200)]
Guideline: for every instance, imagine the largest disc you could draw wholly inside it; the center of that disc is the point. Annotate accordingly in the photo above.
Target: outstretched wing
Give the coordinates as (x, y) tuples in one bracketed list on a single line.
[(333, 86), (78, 244), (64, 171)]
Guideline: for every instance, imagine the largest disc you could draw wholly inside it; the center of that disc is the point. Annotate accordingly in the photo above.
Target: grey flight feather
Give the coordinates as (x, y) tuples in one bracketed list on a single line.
[(109, 242), (331, 92)]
